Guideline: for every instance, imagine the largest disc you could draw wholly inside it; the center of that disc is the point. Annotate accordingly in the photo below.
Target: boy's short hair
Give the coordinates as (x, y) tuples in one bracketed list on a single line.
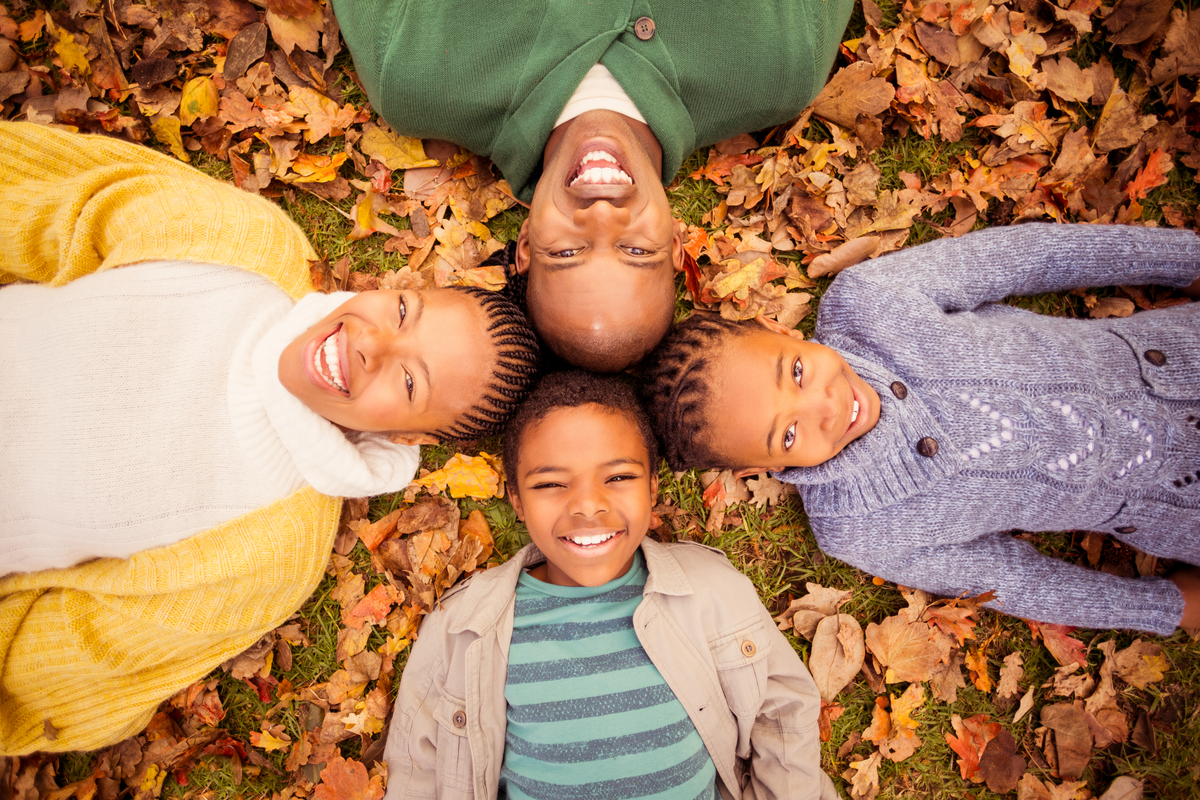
[(513, 372), (677, 384), (571, 390)]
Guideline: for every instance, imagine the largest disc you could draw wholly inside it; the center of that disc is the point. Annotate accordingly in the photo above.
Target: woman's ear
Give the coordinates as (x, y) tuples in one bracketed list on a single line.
[(412, 438), (776, 327)]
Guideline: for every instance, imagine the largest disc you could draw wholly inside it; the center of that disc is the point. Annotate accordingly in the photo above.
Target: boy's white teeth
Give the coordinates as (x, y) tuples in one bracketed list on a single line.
[(854, 412), (607, 171), (590, 540), (333, 374)]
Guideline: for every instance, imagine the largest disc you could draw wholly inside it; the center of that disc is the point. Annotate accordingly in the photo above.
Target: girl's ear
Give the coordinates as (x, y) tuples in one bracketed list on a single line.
[(654, 488), (776, 327), (412, 438)]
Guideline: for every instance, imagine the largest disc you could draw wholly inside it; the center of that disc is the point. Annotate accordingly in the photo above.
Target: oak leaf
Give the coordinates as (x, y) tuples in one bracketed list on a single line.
[(853, 90), (863, 777), (1010, 675), (344, 779)]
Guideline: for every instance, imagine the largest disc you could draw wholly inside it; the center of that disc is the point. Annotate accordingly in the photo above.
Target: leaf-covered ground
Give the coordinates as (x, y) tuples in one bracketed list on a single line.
[(940, 118)]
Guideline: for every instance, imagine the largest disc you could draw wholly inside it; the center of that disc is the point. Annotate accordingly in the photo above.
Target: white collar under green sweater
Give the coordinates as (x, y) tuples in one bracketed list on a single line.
[(142, 405)]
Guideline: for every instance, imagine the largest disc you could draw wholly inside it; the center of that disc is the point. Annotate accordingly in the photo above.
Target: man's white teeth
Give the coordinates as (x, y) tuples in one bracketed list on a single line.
[(334, 373), (608, 171), (590, 540), (854, 412)]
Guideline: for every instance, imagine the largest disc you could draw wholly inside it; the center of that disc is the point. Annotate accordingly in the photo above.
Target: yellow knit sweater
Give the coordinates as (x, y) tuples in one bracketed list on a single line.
[(94, 649)]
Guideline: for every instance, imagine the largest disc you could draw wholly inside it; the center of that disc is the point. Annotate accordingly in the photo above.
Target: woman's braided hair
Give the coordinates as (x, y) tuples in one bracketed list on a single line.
[(513, 373), (676, 384)]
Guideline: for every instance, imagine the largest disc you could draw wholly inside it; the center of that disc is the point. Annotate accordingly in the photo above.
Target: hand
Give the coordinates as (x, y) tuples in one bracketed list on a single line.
[(1188, 581)]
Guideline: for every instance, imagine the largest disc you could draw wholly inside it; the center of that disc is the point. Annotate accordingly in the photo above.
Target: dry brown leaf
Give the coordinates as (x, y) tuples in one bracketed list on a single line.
[(863, 776), (1141, 664), (837, 654), (1000, 766), (905, 649), (1010, 675), (842, 256), (852, 91), (1072, 741)]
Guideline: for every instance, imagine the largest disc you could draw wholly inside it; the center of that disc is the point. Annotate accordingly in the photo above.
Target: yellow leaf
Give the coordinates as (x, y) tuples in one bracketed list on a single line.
[(365, 216), (308, 168), (904, 706), (73, 54), (464, 476), (166, 130), (152, 783), (395, 151), (200, 100), (977, 663), (268, 742)]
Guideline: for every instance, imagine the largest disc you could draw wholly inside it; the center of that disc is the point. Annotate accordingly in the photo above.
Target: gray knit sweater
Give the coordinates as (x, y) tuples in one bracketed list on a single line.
[(995, 419)]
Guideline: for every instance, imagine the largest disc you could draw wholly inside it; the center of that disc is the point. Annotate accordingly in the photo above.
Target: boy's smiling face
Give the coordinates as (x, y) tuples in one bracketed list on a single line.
[(385, 360), (779, 401), (585, 489)]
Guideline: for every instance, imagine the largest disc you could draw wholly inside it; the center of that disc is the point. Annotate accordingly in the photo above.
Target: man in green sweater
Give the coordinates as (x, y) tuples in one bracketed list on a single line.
[(589, 109)]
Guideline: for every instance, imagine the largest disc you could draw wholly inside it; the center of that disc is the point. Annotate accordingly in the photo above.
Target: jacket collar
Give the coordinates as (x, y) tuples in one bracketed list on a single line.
[(488, 595)]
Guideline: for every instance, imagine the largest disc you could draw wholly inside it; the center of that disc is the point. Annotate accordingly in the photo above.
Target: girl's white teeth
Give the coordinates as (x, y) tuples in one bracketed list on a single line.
[(333, 374), (590, 540), (854, 412)]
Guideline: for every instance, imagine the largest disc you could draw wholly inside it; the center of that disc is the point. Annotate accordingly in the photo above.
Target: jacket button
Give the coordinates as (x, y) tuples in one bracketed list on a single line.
[(749, 649), (643, 28), (927, 447), (1156, 357), (1126, 529), (900, 390), (459, 719)]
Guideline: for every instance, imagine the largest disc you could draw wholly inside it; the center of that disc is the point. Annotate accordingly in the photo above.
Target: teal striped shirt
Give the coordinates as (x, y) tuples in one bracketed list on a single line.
[(589, 715)]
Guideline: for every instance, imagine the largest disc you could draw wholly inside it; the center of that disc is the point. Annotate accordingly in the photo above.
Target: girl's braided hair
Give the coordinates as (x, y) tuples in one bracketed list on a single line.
[(515, 368), (676, 386)]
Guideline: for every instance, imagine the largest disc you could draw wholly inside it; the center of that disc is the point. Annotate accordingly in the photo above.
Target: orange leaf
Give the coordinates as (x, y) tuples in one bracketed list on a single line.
[(720, 167), (1152, 175), (973, 735), (374, 607), (1065, 648), (347, 780), (977, 663)]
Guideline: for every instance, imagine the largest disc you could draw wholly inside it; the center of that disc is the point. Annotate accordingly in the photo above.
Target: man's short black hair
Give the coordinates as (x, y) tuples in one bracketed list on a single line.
[(571, 390)]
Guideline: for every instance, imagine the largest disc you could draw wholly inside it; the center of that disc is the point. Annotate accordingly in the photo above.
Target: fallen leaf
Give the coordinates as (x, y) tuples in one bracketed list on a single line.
[(1124, 788), (904, 648), (1000, 766), (167, 131), (270, 739), (1010, 675), (837, 654), (200, 100), (1141, 664), (844, 255), (853, 90), (344, 779), (863, 776), (465, 476), (1072, 739), (395, 151), (972, 736)]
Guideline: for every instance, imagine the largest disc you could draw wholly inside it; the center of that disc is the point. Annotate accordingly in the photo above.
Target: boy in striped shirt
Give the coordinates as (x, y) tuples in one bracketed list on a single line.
[(595, 663)]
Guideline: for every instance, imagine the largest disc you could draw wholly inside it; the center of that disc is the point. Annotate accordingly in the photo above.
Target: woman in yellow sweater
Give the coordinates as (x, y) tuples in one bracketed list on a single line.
[(177, 432)]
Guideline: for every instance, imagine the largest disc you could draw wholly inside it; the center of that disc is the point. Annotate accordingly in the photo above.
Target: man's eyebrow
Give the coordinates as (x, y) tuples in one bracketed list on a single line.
[(658, 263), (562, 265)]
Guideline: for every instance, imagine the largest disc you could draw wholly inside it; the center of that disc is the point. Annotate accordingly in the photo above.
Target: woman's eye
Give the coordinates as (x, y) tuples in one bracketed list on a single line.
[(789, 437), (408, 384), (797, 371), (403, 308)]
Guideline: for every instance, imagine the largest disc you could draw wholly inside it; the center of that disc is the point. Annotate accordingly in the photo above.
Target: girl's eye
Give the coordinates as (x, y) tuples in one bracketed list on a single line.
[(403, 309), (797, 371), (789, 436), (617, 478), (408, 384)]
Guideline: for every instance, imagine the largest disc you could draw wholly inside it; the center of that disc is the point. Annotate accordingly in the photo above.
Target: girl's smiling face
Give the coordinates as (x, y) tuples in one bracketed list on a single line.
[(779, 401), (385, 360), (585, 489)]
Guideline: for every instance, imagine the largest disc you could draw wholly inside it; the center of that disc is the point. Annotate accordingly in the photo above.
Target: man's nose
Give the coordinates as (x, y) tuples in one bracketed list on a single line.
[(601, 214)]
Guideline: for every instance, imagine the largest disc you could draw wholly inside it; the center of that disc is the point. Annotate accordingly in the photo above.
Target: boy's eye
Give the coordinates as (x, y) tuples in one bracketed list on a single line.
[(789, 436), (797, 371), (546, 485)]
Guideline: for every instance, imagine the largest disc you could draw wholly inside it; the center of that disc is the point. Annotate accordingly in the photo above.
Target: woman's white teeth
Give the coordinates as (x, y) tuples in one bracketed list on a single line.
[(854, 412), (332, 374), (608, 171), (590, 540)]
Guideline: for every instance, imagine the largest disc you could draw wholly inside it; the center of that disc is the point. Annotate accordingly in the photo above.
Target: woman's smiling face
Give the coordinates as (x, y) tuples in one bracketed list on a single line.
[(779, 401), (585, 489), (409, 361)]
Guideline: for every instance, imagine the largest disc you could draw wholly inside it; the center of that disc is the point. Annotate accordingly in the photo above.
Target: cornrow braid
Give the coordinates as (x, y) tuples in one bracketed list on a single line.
[(516, 367), (675, 384)]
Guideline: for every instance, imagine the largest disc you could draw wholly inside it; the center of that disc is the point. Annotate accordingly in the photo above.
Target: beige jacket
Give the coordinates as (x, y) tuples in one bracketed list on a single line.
[(700, 622)]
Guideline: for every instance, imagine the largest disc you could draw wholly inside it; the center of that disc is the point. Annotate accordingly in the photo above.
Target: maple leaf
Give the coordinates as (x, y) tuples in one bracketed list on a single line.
[(977, 663), (465, 476), (395, 151), (365, 216), (373, 609), (720, 166), (345, 779), (969, 740), (1153, 174), (269, 739)]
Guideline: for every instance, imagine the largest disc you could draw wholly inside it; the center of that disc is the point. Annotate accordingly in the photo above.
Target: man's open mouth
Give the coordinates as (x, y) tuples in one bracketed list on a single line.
[(599, 168)]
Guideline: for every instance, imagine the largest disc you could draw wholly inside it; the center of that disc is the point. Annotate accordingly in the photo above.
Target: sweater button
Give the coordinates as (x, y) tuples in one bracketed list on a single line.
[(1156, 357), (749, 649), (1126, 529), (899, 389), (459, 719), (643, 28), (927, 447)]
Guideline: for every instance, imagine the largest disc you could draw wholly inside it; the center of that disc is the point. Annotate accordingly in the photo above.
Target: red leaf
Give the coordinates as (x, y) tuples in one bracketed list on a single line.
[(973, 735), (720, 167)]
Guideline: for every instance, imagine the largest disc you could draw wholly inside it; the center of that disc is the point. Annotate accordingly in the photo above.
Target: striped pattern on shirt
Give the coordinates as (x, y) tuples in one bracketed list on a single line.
[(589, 715)]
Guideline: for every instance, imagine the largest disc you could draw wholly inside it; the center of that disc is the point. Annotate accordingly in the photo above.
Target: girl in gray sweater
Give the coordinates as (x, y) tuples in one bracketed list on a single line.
[(931, 420)]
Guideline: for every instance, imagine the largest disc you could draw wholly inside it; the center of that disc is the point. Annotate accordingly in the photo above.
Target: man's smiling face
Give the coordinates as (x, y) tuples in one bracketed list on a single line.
[(778, 401), (600, 246), (387, 360)]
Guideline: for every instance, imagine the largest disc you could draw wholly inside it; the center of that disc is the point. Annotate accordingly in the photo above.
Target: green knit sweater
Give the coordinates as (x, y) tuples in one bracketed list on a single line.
[(494, 76)]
